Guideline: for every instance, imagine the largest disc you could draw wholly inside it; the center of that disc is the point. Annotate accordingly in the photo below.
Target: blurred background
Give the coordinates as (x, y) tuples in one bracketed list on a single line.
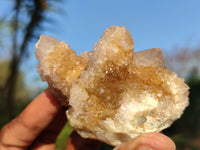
[(173, 26)]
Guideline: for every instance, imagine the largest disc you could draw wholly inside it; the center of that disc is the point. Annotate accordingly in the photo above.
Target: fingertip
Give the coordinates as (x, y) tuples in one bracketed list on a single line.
[(47, 94), (157, 141), (32, 121), (149, 141)]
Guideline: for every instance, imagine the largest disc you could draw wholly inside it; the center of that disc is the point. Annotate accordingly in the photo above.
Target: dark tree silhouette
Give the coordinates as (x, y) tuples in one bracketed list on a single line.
[(35, 11)]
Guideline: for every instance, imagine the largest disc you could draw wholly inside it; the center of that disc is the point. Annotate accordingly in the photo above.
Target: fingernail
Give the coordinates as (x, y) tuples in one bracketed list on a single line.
[(144, 147)]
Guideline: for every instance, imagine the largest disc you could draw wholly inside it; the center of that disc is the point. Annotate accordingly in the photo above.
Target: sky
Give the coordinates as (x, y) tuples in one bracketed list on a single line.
[(152, 23)]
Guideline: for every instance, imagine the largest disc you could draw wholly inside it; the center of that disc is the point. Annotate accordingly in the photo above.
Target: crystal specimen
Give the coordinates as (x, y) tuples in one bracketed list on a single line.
[(113, 93)]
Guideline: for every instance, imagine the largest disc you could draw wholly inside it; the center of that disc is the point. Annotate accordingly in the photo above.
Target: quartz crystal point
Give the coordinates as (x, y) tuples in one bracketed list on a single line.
[(113, 93)]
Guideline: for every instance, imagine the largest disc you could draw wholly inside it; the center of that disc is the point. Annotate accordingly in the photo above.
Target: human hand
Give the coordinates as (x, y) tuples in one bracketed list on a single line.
[(38, 126), (149, 141)]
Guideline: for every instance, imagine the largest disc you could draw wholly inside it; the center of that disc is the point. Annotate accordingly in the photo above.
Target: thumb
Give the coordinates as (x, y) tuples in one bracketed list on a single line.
[(148, 141)]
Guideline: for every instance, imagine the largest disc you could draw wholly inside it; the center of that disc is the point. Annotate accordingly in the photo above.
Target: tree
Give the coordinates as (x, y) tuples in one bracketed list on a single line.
[(22, 93), (182, 60), (22, 32)]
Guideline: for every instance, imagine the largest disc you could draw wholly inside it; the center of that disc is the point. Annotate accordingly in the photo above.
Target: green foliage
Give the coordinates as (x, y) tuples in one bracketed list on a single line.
[(22, 94), (3, 73), (63, 137)]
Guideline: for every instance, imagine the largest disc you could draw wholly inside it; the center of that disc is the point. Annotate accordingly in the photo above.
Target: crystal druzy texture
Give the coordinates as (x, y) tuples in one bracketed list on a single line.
[(113, 93)]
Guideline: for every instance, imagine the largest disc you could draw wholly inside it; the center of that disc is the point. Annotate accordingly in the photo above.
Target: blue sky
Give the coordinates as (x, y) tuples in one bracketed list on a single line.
[(152, 23)]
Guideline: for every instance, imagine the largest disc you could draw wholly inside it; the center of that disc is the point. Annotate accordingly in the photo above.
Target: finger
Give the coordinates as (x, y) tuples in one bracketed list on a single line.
[(148, 141), (76, 142), (22, 131), (47, 139)]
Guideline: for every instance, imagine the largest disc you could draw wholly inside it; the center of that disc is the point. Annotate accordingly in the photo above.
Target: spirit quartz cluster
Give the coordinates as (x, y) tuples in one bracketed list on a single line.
[(113, 93)]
